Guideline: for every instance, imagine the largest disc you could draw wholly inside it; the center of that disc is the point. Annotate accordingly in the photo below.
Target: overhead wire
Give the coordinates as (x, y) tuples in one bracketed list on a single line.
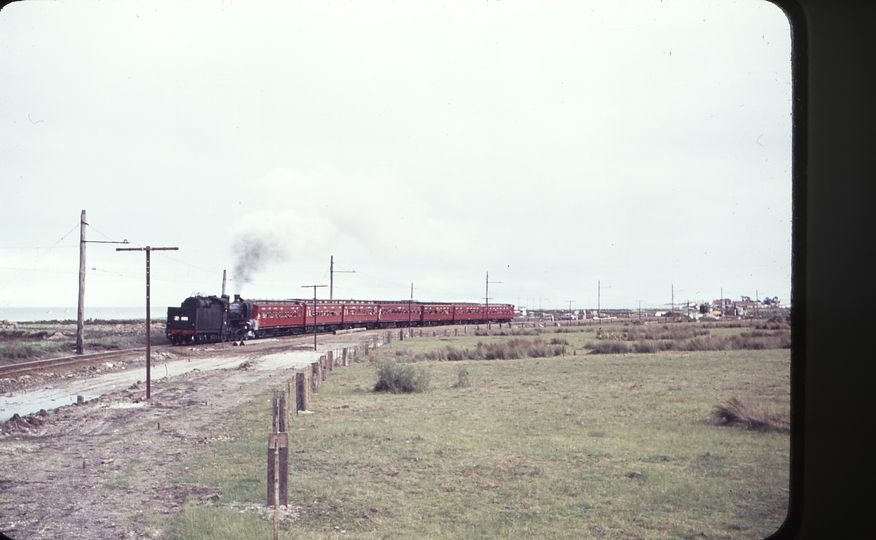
[(37, 260)]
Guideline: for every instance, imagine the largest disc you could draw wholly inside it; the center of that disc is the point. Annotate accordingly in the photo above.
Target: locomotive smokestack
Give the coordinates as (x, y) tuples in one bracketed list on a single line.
[(223, 283)]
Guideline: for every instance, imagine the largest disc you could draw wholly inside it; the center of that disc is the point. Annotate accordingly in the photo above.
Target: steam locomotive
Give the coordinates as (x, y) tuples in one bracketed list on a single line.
[(209, 319)]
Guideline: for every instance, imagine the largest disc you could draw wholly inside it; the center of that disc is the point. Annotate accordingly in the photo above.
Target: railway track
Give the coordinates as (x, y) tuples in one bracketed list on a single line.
[(24, 368), (66, 362)]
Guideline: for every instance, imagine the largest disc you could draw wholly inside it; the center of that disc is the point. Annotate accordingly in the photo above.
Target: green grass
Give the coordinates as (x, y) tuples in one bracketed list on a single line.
[(212, 523), (566, 447), (124, 479)]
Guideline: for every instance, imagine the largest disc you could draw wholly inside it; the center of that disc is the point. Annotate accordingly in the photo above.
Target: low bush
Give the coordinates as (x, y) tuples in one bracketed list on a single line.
[(610, 347), (463, 381), (646, 347), (737, 412), (19, 351), (744, 341), (506, 350), (398, 378)]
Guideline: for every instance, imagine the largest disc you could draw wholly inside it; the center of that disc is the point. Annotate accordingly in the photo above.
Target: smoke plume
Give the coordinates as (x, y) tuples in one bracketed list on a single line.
[(254, 252)]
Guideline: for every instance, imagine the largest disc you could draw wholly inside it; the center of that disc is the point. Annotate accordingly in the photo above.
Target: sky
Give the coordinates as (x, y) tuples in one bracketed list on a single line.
[(596, 152)]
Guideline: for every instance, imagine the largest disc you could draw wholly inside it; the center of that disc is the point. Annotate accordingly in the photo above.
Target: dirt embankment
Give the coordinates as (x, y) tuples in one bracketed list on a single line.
[(103, 468)]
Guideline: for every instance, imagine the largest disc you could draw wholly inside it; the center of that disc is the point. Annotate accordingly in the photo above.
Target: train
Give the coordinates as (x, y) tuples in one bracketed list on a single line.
[(212, 319)]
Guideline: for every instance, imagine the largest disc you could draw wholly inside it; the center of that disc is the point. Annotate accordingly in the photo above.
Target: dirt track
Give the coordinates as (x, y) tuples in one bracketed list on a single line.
[(63, 472)]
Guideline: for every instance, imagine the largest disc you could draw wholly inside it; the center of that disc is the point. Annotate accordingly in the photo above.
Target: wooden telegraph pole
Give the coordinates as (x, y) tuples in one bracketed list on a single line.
[(80, 310), (332, 273), (314, 309), (148, 250), (487, 298)]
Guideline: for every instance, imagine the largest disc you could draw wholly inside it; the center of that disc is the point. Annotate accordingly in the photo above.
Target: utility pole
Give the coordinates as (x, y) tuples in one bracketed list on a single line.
[(148, 250), (487, 298), (599, 298), (410, 305), (80, 311), (314, 309), (570, 309), (332, 277)]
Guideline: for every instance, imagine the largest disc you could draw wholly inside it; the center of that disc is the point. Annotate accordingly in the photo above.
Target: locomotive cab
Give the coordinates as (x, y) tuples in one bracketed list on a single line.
[(207, 319)]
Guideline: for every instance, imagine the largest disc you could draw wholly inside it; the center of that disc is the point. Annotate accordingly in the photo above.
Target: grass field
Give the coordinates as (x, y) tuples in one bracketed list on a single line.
[(569, 446)]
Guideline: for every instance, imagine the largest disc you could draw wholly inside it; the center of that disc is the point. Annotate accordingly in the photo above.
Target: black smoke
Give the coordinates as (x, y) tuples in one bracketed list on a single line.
[(253, 253)]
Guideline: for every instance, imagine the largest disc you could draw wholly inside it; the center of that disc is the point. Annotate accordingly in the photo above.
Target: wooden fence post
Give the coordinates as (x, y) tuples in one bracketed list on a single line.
[(278, 469), (278, 453), (315, 378), (330, 360), (344, 357), (300, 392), (323, 370)]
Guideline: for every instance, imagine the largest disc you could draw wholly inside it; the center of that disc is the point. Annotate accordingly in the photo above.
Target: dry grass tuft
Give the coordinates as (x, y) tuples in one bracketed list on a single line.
[(737, 412)]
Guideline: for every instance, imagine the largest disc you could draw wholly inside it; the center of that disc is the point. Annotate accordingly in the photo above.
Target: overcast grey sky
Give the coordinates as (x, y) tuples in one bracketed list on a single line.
[(554, 144)]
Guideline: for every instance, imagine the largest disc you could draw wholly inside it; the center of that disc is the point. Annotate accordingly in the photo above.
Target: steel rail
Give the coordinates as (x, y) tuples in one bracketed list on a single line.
[(23, 368)]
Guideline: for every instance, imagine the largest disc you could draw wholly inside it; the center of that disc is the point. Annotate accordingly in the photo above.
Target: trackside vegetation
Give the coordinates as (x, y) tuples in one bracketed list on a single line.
[(567, 445)]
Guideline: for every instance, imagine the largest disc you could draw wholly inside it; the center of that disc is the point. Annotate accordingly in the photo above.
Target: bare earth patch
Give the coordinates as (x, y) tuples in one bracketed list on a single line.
[(103, 469)]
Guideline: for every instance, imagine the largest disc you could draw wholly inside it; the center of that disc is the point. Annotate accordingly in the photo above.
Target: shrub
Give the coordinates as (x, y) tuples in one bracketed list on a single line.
[(18, 350), (463, 381), (646, 346), (609, 347), (737, 412), (397, 378)]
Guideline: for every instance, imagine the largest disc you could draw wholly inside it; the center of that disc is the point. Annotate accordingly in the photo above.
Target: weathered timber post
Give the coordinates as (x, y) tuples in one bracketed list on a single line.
[(278, 453), (330, 360), (323, 370), (456, 331), (374, 337), (315, 378), (278, 410), (278, 460), (300, 392), (344, 357), (401, 335), (290, 411), (389, 337)]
